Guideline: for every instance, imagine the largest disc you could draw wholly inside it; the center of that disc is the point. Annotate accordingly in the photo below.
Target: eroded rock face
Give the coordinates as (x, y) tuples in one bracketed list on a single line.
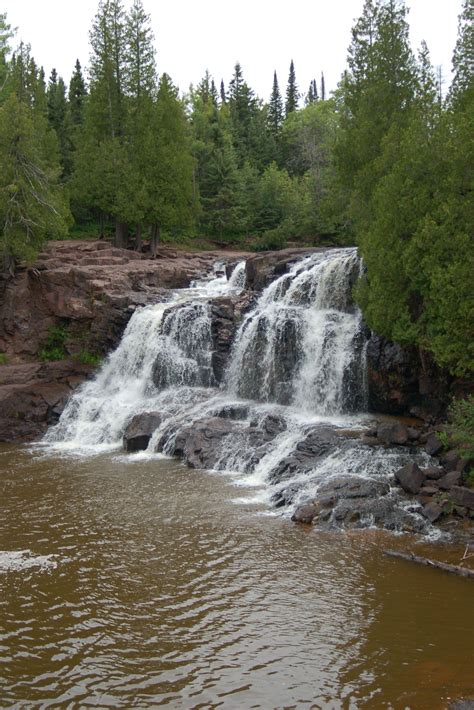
[(33, 396), (91, 289), (263, 268), (139, 431)]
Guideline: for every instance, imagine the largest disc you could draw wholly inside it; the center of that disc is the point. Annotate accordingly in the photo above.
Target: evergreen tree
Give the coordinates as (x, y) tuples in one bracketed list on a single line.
[(169, 169), (77, 95), (291, 103), (222, 93), (275, 108), (59, 119), (32, 207), (463, 57), (312, 94), (243, 107), (139, 70), (323, 87)]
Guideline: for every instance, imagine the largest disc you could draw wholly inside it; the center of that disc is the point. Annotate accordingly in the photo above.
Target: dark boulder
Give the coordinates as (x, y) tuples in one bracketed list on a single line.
[(410, 478), (392, 433), (351, 487), (304, 513), (433, 445), (453, 478), (432, 511), (139, 431), (460, 495)]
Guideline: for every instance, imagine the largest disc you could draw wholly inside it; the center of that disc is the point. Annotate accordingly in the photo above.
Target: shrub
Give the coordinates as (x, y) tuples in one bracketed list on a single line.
[(54, 348)]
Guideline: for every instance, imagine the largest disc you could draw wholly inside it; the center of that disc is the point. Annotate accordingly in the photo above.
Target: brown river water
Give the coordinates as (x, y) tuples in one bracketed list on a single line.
[(144, 584)]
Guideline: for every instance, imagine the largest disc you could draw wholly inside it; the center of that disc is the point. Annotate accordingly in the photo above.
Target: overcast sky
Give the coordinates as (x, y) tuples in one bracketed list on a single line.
[(195, 35)]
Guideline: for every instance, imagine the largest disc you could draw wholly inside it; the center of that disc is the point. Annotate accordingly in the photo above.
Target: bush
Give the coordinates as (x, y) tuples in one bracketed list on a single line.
[(461, 431), (54, 348), (3, 359), (87, 358)]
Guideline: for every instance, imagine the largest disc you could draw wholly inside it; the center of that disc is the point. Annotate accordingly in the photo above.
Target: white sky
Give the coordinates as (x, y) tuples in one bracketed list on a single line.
[(195, 35)]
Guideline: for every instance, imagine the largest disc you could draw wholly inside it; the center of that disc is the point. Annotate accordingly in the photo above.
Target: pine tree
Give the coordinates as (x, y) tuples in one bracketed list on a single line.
[(169, 168), (140, 69), (463, 57), (77, 95), (312, 94), (291, 103), (323, 87), (5, 35), (223, 95), (275, 108), (243, 107), (32, 206)]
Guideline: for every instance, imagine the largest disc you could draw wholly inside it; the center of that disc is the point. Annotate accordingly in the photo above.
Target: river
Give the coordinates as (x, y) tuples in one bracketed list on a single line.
[(128, 582)]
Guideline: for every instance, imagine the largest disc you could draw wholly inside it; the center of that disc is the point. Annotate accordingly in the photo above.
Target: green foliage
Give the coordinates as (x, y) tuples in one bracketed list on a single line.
[(85, 357), (461, 428), (32, 204), (292, 96), (55, 345), (3, 359)]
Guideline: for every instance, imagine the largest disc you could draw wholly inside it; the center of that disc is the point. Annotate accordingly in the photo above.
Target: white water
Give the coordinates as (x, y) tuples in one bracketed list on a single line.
[(298, 362), (311, 309)]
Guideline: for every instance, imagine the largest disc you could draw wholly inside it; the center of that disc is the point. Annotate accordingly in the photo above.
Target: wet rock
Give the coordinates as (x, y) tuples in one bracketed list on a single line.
[(261, 269), (139, 431), (304, 513), (429, 490), (460, 495), (370, 440), (432, 511), (449, 480), (200, 444), (410, 478), (433, 445), (33, 396), (450, 460), (413, 434), (395, 433), (434, 472), (382, 512), (351, 487)]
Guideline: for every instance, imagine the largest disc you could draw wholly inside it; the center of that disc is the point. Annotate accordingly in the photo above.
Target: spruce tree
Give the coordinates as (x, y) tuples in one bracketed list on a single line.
[(291, 103), (222, 93), (323, 87), (312, 94), (77, 95), (275, 108)]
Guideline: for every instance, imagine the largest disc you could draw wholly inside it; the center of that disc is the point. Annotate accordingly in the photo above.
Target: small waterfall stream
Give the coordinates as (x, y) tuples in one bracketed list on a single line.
[(295, 382)]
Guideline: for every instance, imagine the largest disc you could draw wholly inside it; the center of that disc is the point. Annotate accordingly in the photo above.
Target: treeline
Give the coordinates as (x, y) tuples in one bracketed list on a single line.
[(130, 151), (404, 161), (386, 162)]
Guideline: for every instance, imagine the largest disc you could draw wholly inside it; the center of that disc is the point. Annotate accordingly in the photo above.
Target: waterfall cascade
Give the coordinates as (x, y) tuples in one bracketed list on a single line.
[(294, 380)]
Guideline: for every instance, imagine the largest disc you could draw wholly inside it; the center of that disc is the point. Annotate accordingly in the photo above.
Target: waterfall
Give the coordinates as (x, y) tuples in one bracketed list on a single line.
[(164, 345), (304, 344), (276, 421)]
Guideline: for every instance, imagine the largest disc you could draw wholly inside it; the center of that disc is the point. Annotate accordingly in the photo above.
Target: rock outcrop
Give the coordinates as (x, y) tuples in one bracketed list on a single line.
[(33, 395)]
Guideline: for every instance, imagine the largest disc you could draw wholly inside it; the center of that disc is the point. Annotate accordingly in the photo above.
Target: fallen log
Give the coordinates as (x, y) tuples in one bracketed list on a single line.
[(454, 569)]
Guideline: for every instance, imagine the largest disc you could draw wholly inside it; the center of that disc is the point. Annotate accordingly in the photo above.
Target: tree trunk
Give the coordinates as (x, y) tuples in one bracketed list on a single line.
[(101, 225), (454, 569), (154, 239), (121, 235), (138, 238), (8, 265)]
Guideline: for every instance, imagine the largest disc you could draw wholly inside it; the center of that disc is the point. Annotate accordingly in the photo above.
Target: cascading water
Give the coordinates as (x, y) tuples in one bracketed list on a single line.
[(295, 378)]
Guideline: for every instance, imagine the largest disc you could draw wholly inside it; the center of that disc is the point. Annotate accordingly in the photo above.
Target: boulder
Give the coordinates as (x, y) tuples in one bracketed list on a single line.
[(304, 513), (410, 477), (460, 495), (434, 472), (433, 445), (450, 460), (351, 487), (139, 431), (392, 433), (432, 511), (453, 478)]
